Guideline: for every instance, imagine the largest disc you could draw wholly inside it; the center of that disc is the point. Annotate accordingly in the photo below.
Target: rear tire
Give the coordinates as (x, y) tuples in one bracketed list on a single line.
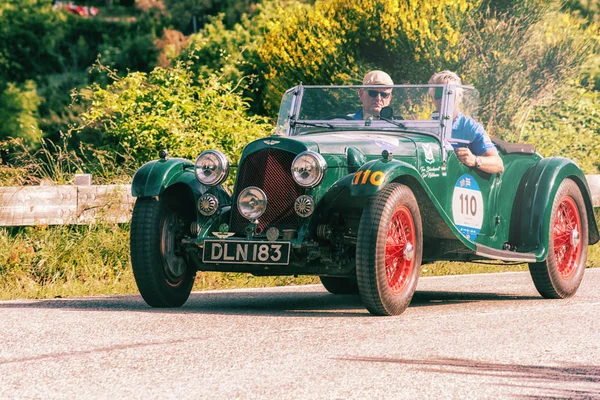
[(560, 275), (389, 250), (336, 285), (162, 275)]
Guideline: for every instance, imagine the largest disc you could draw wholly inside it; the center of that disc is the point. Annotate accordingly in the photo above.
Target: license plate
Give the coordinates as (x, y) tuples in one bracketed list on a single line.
[(246, 252)]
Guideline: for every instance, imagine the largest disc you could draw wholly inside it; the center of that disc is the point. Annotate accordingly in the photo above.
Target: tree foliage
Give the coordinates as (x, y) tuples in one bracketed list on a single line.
[(183, 12), (29, 33)]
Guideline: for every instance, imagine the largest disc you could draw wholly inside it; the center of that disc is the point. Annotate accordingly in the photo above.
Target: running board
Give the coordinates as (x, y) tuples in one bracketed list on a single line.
[(504, 255)]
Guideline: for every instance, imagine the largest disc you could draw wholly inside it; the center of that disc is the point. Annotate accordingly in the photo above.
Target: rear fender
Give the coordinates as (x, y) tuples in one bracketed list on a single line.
[(536, 195)]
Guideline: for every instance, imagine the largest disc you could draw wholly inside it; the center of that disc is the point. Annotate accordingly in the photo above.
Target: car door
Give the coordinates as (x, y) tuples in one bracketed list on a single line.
[(471, 200)]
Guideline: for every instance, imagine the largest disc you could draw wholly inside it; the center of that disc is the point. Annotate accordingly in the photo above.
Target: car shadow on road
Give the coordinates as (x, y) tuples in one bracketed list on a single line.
[(544, 382), (265, 302), (432, 298)]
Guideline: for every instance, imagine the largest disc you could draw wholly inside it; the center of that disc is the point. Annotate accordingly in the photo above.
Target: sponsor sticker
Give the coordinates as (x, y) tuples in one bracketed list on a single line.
[(467, 207)]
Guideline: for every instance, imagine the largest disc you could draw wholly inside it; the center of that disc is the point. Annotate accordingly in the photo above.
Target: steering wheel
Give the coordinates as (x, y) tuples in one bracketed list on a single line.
[(346, 117)]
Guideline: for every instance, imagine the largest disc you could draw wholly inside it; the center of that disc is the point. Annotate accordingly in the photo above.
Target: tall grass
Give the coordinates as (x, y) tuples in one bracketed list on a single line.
[(57, 163), (49, 261)]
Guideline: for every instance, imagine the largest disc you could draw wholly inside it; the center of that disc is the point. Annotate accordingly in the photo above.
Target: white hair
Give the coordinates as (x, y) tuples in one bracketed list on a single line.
[(448, 77)]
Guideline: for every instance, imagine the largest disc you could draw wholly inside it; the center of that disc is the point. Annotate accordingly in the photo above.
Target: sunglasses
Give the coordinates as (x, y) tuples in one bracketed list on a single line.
[(439, 93), (374, 93)]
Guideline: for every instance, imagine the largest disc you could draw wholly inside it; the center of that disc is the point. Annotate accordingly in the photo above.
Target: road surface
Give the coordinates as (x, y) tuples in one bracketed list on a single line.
[(471, 336)]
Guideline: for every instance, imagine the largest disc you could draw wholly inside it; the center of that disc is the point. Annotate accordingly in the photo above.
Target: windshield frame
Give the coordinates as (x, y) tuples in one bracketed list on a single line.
[(288, 117)]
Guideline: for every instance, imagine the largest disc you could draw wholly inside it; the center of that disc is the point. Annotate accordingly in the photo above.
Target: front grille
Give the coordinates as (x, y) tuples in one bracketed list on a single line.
[(270, 170)]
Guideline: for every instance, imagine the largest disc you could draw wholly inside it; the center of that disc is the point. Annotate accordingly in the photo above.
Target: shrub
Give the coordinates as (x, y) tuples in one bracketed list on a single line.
[(19, 113), (233, 52), (141, 113)]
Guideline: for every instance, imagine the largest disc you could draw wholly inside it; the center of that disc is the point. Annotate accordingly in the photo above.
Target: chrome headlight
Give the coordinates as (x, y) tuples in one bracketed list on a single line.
[(212, 167), (308, 169), (252, 203)]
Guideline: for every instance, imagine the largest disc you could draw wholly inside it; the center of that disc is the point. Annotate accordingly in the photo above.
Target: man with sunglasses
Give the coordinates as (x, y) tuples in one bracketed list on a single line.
[(480, 152), (373, 100)]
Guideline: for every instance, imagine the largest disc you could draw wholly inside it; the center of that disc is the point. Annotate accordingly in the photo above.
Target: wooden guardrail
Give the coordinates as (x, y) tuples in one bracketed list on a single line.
[(87, 204), (65, 205)]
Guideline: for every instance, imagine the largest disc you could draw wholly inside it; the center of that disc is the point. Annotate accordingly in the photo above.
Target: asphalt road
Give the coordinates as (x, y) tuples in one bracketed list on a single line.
[(473, 336)]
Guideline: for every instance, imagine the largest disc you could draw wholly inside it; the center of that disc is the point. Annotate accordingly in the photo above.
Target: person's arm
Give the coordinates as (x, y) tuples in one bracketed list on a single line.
[(489, 161)]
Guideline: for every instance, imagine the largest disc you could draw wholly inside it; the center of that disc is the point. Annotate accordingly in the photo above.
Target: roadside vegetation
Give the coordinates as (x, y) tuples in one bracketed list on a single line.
[(102, 95)]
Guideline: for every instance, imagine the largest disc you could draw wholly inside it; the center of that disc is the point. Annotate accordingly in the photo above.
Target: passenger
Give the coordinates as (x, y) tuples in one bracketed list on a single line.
[(373, 100), (480, 152)]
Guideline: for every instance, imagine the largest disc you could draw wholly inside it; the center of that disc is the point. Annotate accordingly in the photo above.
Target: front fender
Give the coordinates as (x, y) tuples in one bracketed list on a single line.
[(362, 186), (155, 176), (375, 175), (537, 194)]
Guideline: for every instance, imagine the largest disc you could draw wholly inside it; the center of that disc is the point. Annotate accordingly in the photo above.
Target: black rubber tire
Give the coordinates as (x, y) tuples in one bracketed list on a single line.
[(546, 275), (375, 223), (338, 285), (162, 276)]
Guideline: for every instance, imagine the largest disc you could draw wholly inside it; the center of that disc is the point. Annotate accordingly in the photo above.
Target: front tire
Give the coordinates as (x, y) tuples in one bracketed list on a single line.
[(560, 275), (389, 250), (162, 275)]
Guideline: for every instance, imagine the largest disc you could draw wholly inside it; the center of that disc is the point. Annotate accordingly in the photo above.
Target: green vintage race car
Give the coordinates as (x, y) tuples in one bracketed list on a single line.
[(360, 203)]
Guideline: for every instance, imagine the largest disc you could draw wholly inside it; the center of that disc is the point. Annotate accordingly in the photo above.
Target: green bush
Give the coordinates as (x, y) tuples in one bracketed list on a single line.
[(233, 53), (141, 113), (56, 111), (19, 113)]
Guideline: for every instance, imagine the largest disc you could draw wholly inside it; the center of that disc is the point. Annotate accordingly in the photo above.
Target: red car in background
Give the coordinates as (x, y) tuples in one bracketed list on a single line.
[(83, 11)]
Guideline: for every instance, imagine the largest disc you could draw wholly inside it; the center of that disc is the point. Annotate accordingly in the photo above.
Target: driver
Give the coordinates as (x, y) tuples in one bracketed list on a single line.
[(480, 152), (373, 100)]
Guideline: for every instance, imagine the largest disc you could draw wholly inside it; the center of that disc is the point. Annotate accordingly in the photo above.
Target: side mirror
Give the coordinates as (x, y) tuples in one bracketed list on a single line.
[(386, 113)]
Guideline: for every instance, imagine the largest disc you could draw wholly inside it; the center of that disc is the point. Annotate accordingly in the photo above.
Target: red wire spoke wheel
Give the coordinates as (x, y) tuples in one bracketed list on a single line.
[(560, 275), (567, 237), (389, 250), (399, 250)]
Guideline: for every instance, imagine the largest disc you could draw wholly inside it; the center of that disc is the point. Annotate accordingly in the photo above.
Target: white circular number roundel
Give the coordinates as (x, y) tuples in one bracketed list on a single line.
[(467, 206)]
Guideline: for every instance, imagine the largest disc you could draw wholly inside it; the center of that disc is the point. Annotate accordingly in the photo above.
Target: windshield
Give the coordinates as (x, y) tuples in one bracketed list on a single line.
[(308, 109)]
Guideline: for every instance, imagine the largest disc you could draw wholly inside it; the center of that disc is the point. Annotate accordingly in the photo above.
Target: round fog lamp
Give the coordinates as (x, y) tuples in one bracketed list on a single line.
[(208, 204), (252, 203), (304, 206)]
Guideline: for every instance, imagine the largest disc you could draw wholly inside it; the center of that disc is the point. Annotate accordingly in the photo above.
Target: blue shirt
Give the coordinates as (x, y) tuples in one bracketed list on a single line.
[(358, 115), (467, 128)]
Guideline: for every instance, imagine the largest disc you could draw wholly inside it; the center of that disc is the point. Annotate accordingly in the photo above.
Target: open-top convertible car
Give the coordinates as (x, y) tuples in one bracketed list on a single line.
[(360, 203)]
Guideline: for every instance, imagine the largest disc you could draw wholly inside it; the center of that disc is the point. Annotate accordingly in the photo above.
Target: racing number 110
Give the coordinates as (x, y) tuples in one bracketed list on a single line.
[(468, 204)]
